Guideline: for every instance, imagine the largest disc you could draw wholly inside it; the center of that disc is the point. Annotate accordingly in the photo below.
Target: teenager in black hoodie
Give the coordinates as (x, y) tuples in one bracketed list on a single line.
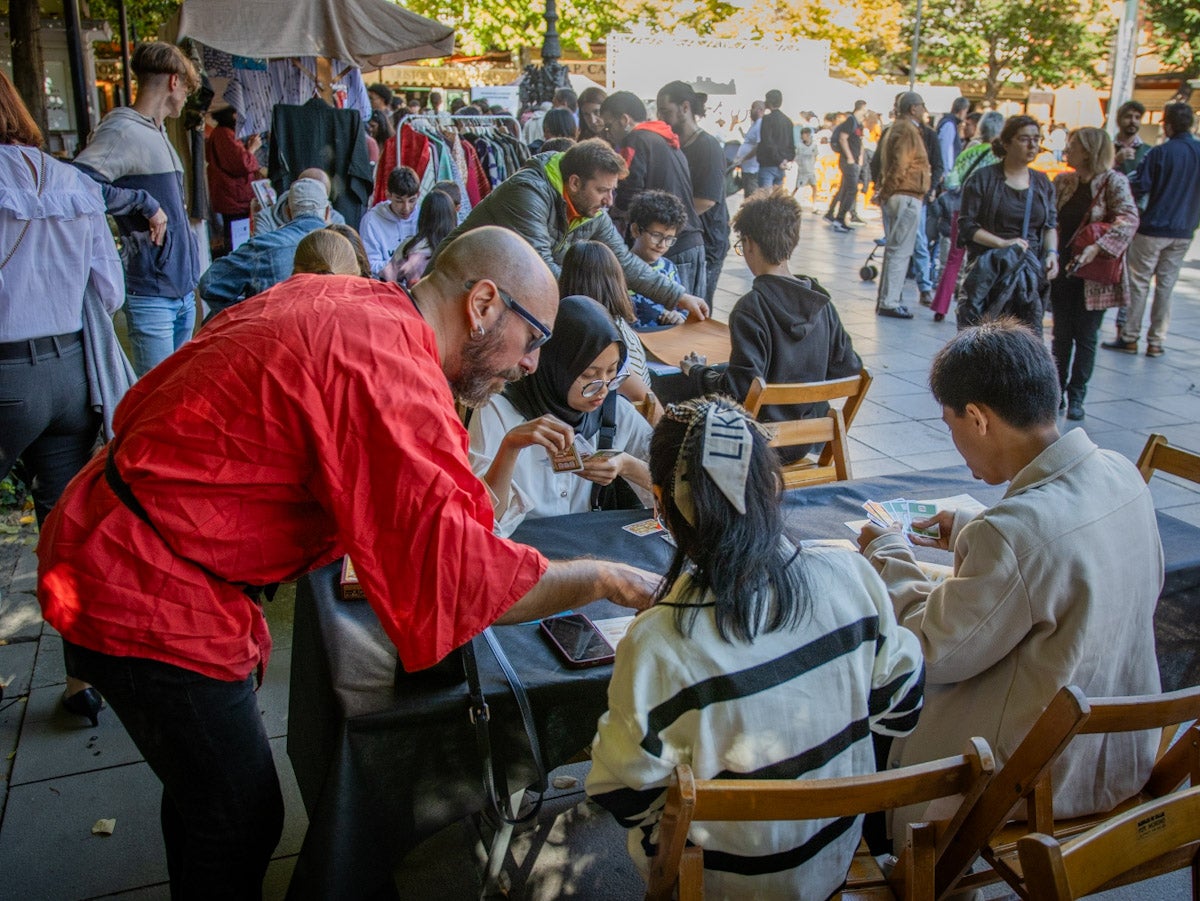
[(786, 328)]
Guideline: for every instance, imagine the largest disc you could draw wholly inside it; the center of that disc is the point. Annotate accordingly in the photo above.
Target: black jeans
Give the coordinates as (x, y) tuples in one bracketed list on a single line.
[(1075, 328), (847, 194), (222, 809), (46, 421)]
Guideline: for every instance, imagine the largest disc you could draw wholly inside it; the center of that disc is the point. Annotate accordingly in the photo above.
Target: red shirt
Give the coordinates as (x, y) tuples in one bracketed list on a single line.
[(310, 421), (231, 169)]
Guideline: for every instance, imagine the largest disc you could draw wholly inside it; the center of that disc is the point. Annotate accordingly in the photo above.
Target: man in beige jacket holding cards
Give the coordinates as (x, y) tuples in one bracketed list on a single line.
[(1054, 585)]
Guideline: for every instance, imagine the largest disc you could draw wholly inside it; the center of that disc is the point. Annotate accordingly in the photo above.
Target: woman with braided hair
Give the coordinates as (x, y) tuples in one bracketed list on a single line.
[(759, 659)]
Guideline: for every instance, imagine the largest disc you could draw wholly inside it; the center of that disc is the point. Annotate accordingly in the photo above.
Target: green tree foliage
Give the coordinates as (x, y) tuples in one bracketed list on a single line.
[(483, 25), (1175, 31), (1048, 42), (145, 16)]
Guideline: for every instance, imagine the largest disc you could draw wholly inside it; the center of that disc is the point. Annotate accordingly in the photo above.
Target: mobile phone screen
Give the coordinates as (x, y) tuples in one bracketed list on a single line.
[(578, 639)]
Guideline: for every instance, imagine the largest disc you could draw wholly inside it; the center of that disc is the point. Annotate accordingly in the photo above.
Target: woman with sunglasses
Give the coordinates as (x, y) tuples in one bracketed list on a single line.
[(559, 408), (758, 659)]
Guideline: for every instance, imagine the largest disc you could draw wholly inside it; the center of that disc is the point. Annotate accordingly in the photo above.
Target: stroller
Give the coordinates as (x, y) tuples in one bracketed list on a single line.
[(870, 270)]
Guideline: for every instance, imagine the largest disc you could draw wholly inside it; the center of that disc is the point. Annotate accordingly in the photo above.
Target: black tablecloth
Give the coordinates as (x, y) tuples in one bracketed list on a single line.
[(382, 764)]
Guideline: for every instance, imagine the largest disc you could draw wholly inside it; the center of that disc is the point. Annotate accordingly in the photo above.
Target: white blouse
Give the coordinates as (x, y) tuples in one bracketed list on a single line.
[(537, 490)]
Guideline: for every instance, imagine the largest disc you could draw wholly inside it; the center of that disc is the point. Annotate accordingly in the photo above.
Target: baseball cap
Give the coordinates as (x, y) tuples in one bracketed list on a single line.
[(307, 197)]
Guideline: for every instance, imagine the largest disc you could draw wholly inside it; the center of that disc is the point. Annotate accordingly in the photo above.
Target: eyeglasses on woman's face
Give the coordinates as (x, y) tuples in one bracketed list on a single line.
[(594, 387)]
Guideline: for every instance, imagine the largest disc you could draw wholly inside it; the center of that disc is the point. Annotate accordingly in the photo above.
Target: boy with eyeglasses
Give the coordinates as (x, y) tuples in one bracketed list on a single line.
[(655, 218)]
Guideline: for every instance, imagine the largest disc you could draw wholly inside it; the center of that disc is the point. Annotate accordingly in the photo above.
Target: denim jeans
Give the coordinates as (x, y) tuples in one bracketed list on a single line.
[(769, 176), (923, 270), (690, 266), (158, 326), (222, 809)]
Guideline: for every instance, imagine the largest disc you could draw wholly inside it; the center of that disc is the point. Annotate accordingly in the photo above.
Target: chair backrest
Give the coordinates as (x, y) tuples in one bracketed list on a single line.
[(1157, 454), (1025, 776), (1168, 826), (697, 800), (833, 464), (980, 820), (1180, 761)]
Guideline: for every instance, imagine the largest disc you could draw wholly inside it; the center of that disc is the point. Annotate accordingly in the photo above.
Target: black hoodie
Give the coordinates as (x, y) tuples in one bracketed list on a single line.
[(785, 330)]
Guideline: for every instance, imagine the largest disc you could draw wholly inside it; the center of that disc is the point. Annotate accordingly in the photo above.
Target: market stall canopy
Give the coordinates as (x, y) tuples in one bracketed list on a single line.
[(368, 33)]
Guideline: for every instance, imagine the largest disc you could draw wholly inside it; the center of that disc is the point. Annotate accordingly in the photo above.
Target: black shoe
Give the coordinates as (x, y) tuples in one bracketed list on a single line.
[(1075, 410), (842, 228), (1129, 347), (829, 217), (900, 312), (86, 703)]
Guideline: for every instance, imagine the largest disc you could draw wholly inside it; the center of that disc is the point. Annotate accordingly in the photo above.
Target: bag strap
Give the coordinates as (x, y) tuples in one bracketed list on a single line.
[(125, 495), (40, 181), (605, 437), (1028, 209), (1099, 186), (495, 780)]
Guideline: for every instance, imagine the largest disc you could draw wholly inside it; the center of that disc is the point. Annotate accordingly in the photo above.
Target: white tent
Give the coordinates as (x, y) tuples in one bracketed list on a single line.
[(368, 33)]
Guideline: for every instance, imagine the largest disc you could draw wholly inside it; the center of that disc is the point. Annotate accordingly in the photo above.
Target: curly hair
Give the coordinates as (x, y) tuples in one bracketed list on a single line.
[(662, 207), (771, 219)]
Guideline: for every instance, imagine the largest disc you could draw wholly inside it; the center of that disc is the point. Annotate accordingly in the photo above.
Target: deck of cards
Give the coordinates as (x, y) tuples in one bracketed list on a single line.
[(645, 527), (902, 512)]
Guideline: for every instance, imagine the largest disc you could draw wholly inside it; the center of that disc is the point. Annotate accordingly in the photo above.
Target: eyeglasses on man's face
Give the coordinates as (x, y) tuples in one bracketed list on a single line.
[(594, 387), (739, 248), (543, 330)]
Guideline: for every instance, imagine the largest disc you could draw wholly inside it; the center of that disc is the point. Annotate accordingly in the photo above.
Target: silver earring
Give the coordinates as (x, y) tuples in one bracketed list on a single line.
[(479, 332)]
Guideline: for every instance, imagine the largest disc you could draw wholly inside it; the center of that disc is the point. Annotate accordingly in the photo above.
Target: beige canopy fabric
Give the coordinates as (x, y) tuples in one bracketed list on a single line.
[(369, 33)]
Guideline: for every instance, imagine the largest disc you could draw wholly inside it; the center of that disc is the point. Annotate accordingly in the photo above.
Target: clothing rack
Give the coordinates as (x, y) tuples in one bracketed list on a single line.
[(444, 119)]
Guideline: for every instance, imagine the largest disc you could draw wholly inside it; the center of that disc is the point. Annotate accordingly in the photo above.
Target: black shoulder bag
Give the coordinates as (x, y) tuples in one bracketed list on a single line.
[(617, 495)]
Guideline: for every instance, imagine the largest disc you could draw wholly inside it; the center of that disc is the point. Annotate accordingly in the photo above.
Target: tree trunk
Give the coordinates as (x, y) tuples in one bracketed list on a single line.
[(29, 72)]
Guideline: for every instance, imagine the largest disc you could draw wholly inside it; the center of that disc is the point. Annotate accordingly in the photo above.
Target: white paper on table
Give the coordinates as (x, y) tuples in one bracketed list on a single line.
[(613, 629)]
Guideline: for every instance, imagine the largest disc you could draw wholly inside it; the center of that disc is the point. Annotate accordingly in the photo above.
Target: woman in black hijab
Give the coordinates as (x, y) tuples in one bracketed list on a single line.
[(560, 408)]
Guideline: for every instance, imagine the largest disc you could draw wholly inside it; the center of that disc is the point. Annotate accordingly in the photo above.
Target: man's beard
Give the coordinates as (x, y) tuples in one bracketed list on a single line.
[(476, 382)]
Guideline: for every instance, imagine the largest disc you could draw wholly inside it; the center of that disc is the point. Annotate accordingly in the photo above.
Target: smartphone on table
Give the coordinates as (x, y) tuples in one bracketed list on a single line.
[(577, 640)]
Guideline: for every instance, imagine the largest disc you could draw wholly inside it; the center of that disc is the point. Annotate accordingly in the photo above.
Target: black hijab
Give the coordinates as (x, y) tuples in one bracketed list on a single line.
[(582, 330)]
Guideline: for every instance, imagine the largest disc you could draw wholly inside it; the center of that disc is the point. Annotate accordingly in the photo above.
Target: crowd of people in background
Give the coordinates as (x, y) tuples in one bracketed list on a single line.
[(527, 306)]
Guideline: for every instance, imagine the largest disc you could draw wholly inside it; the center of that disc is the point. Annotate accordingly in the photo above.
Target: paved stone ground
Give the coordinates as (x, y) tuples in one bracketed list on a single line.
[(60, 775)]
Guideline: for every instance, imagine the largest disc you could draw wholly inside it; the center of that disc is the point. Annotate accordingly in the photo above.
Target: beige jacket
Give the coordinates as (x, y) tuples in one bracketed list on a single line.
[(1054, 585)]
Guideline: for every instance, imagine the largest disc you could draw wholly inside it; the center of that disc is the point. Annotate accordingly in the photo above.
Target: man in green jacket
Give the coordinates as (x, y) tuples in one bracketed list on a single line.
[(558, 199)]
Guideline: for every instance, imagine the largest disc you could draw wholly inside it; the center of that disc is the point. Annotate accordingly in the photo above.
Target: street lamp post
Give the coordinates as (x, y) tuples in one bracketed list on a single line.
[(912, 69), (540, 82)]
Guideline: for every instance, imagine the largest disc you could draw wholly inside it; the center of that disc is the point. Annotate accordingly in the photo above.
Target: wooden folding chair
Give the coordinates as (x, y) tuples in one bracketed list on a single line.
[(689, 800), (833, 464), (1120, 848), (1026, 777), (1157, 454)]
